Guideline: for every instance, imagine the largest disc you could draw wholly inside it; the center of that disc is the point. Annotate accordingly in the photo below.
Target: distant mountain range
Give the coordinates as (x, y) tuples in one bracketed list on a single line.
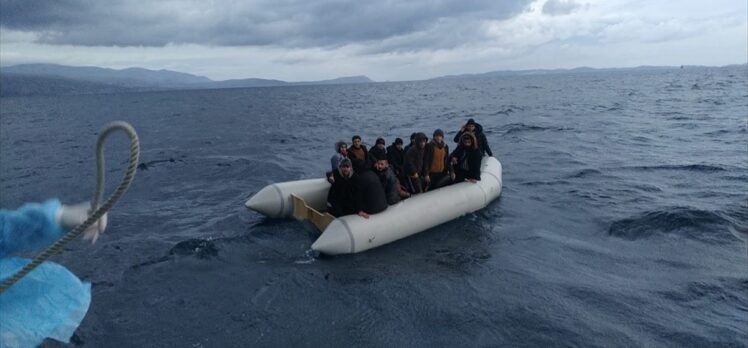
[(568, 71), (51, 79)]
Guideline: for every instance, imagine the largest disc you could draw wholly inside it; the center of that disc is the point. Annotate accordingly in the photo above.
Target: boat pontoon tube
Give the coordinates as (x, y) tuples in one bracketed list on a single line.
[(352, 233)]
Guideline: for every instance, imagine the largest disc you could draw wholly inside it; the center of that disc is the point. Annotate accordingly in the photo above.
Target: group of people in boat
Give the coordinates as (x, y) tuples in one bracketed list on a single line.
[(365, 181)]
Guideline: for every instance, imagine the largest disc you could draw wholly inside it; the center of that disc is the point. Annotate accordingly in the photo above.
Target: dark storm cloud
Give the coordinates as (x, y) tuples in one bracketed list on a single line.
[(287, 23), (559, 7)]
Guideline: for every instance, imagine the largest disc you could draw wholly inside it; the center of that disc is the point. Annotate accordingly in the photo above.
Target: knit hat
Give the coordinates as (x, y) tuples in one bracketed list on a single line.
[(398, 141), (380, 141), (470, 121), (421, 137), (438, 132)]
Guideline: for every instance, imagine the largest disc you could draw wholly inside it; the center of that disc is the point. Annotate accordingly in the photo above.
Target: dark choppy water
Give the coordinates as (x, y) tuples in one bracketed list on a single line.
[(613, 229)]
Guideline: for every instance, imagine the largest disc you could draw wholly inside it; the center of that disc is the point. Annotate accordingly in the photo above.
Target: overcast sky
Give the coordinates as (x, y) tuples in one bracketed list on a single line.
[(298, 40)]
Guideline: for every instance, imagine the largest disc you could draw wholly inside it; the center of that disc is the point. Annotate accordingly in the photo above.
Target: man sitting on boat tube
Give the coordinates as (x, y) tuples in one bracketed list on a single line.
[(370, 197), (341, 198), (466, 159), (341, 152), (472, 127)]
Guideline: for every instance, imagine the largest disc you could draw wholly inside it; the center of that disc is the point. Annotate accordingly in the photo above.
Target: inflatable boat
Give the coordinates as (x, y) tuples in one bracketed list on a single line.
[(307, 200)]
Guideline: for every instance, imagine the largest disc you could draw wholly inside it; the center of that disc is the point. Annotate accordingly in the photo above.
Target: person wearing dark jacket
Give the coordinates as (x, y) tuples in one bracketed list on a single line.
[(436, 162), (412, 141), (475, 128), (341, 198), (395, 156), (370, 197), (379, 148), (413, 172), (466, 159), (389, 181), (358, 153)]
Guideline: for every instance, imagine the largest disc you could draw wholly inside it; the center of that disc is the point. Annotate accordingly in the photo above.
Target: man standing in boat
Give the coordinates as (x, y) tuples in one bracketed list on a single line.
[(472, 127), (358, 153), (396, 156), (413, 171), (379, 148), (436, 162)]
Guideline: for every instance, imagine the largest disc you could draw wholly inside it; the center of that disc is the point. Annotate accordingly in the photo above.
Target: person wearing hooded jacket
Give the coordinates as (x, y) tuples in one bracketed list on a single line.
[(466, 159), (436, 162), (477, 130), (341, 152)]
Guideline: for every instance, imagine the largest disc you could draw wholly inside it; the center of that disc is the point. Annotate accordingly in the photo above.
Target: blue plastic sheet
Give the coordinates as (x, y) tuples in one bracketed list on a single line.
[(28, 228), (49, 302)]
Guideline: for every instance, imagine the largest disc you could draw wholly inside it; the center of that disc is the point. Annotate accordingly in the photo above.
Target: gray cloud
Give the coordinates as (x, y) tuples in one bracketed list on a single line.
[(284, 23), (559, 7)]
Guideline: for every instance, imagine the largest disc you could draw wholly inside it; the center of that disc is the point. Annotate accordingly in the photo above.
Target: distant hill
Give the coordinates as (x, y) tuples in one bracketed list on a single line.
[(270, 83), (338, 81), (63, 79), (552, 71), (134, 77), (28, 85)]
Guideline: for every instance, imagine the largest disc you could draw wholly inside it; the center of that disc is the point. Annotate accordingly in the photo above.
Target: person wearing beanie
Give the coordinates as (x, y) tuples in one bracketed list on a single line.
[(412, 141), (369, 193), (396, 156), (341, 198), (436, 162), (413, 170), (475, 128), (379, 148)]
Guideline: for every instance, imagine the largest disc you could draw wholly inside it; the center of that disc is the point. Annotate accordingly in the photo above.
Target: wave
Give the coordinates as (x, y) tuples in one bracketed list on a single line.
[(521, 127), (689, 167), (200, 248), (544, 183), (584, 173), (151, 164), (726, 291), (614, 107), (710, 101), (694, 224)]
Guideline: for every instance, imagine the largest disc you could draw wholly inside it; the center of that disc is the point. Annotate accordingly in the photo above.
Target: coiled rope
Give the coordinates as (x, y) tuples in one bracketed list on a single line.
[(99, 211)]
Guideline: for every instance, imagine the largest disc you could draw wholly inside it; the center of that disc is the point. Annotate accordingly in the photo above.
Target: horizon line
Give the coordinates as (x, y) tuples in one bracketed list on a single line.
[(374, 81)]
